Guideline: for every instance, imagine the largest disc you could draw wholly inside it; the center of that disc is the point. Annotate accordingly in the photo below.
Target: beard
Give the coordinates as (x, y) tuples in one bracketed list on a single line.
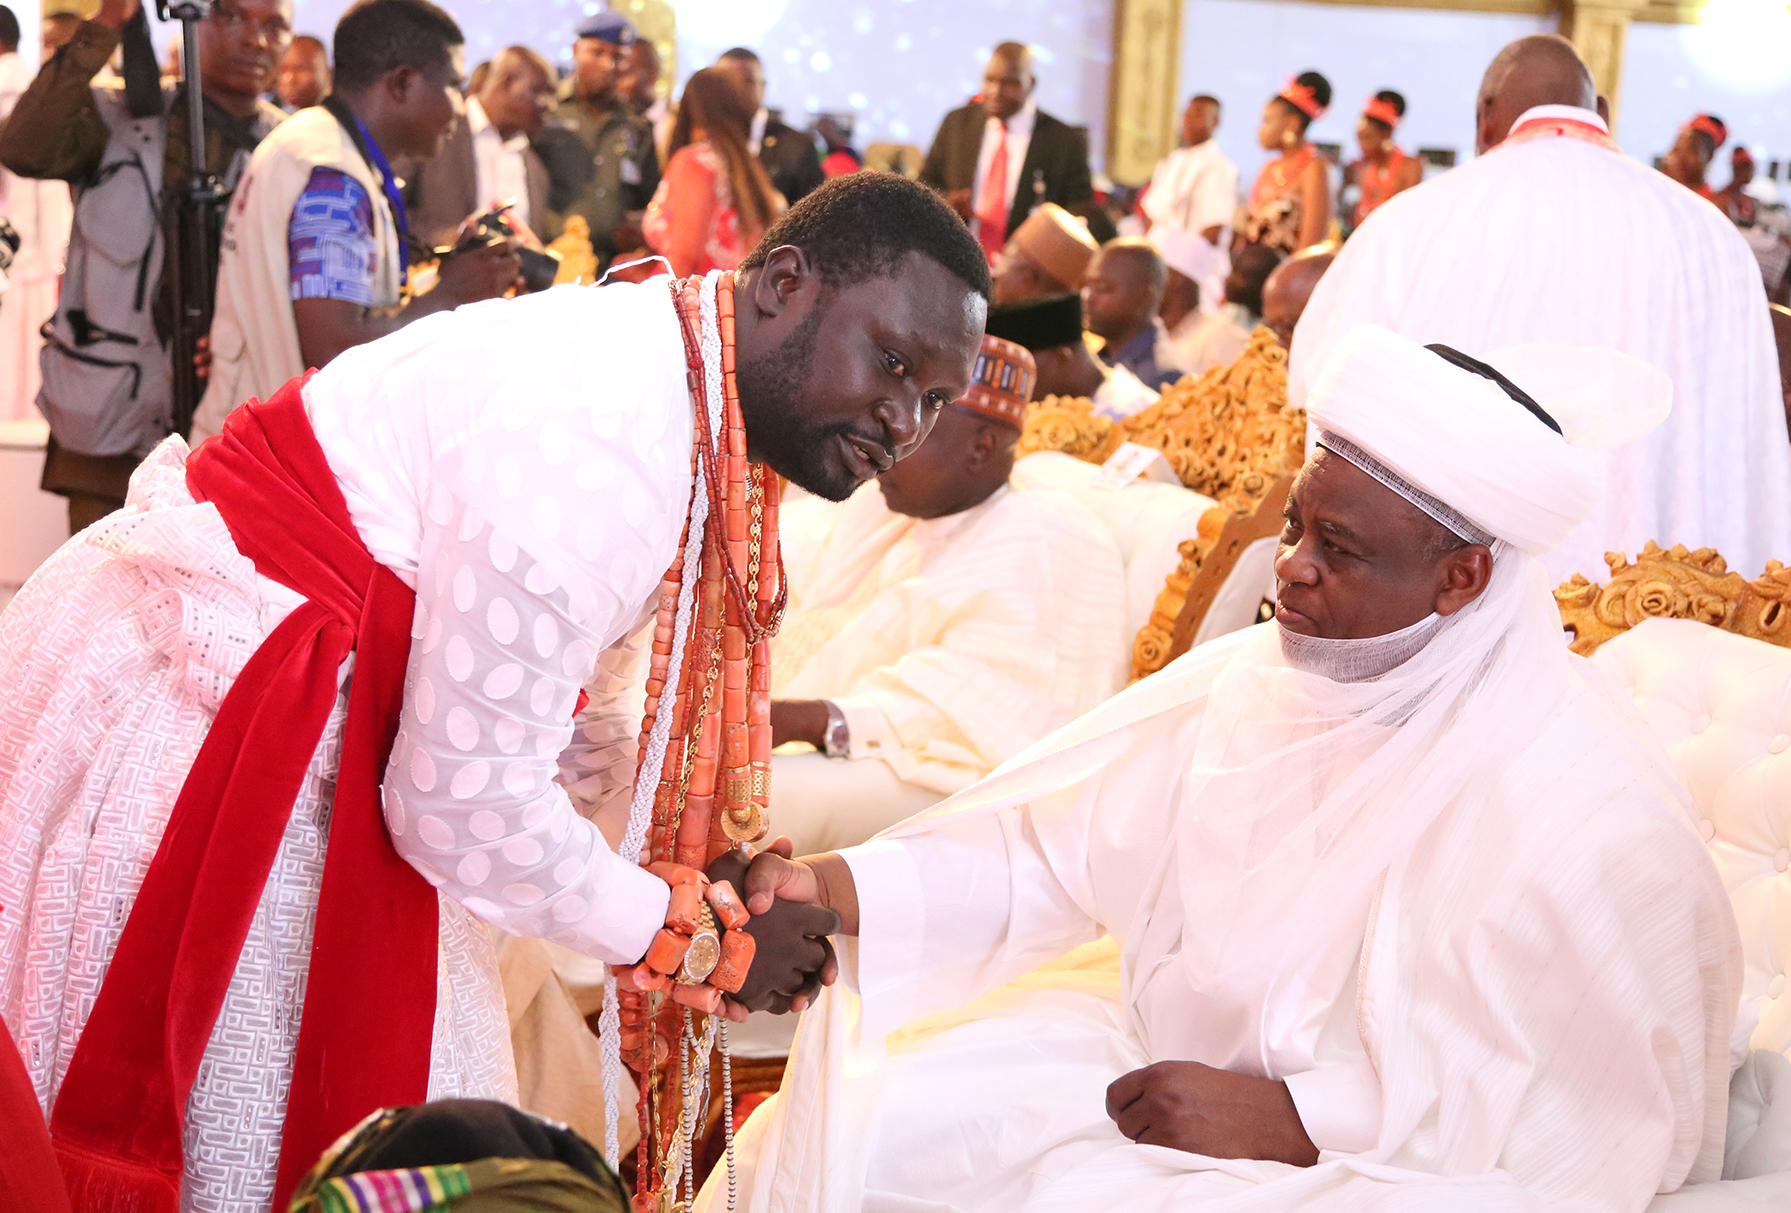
[(778, 415)]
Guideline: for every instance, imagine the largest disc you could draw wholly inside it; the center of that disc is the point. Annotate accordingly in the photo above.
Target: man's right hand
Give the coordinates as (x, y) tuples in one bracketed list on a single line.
[(114, 13), (479, 273), (793, 957)]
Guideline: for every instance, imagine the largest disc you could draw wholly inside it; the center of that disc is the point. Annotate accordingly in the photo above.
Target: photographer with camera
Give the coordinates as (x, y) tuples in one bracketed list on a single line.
[(108, 374), (317, 247)]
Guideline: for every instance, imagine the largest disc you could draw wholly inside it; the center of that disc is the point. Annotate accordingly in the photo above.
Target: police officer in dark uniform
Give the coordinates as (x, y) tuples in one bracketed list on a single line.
[(600, 158)]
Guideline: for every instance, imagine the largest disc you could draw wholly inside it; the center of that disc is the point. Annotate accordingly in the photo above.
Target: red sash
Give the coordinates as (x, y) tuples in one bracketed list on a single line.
[(368, 1019), (29, 1177)]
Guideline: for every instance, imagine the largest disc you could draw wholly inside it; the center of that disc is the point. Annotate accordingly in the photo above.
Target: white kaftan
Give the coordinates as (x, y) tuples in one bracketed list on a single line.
[(525, 466), (950, 644), (1560, 240), (1494, 977)]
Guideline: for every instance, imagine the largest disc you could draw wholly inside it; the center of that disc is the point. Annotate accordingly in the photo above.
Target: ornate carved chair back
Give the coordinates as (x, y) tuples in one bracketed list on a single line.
[(1676, 584)]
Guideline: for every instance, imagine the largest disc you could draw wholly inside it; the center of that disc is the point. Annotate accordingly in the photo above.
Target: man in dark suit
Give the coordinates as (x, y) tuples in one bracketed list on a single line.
[(1000, 156), (788, 154), (487, 157)]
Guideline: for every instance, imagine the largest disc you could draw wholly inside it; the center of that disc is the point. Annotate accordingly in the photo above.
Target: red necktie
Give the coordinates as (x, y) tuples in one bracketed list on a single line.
[(991, 226)]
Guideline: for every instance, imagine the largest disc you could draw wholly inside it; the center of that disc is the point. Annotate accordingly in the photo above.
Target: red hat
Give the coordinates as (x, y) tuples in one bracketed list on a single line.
[(1002, 383), (1713, 127), (1302, 98), (1381, 111)]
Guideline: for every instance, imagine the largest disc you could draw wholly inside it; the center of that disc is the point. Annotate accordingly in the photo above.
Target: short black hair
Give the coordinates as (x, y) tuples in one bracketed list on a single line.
[(1208, 98), (738, 52), (860, 226), (9, 29), (379, 36)]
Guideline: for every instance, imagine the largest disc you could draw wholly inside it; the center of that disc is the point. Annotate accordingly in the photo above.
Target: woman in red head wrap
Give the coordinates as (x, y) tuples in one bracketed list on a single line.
[(1290, 205), (1383, 170)]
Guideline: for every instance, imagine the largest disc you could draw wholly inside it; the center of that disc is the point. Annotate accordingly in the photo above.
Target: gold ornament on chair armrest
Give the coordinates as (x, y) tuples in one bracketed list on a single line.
[(1675, 583)]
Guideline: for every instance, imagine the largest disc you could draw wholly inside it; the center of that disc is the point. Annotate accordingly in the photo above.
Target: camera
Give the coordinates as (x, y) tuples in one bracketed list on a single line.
[(538, 269)]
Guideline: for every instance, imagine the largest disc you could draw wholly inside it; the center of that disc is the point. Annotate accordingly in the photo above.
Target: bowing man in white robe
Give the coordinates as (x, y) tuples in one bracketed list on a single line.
[(532, 495), (1552, 234), (1404, 907), (941, 620)]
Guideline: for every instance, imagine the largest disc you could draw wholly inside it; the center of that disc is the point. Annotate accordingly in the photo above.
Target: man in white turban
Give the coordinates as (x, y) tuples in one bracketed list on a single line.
[(1390, 904)]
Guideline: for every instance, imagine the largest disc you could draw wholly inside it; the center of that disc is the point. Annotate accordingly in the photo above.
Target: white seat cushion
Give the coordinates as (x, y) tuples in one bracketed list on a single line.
[(1148, 521), (1721, 704)]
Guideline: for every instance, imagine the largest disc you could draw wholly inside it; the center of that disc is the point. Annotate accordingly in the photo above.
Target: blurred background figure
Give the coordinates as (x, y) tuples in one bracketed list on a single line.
[(304, 78), (39, 212), (1000, 156), (601, 161), (839, 156), (1195, 189), (1383, 170), (108, 388), (1199, 339), (716, 200), (61, 18), (787, 154), (1688, 160), (1120, 300), (1046, 256), (487, 160), (1290, 204), (1734, 199)]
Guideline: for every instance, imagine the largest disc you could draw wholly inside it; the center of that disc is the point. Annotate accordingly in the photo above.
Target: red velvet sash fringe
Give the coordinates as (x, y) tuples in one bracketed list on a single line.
[(368, 1018)]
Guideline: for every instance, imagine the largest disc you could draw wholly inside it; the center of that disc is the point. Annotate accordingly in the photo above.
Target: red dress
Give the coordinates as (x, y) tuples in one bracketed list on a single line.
[(693, 220), (1377, 183), (1273, 216)]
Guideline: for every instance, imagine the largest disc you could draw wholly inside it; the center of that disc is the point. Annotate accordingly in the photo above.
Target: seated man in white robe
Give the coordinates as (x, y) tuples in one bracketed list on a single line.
[(1403, 904), (941, 620)]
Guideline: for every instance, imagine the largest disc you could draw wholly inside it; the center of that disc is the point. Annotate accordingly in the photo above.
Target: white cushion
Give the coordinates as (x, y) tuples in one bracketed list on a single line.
[(1148, 520), (1721, 704)]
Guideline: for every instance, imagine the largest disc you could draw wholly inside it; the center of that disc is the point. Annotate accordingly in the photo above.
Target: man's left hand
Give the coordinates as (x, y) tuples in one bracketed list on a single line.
[(1187, 1106)]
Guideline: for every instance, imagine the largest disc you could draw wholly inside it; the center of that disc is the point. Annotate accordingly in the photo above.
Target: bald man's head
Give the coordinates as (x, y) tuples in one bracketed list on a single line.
[(1541, 69), (1289, 289)]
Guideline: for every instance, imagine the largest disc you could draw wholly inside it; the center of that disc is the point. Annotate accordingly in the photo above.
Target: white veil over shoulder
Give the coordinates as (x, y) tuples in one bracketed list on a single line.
[(1304, 798)]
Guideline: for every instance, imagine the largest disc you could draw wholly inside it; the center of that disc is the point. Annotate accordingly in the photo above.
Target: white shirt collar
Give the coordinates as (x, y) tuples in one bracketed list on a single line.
[(1571, 113), (477, 120), (756, 136), (1020, 125)]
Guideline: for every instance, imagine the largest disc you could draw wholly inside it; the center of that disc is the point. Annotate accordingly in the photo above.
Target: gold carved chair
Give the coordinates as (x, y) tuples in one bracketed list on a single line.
[(1676, 584), (1228, 435)]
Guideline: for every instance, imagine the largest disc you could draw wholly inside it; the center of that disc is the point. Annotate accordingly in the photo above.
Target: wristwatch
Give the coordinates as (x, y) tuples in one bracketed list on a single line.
[(836, 739)]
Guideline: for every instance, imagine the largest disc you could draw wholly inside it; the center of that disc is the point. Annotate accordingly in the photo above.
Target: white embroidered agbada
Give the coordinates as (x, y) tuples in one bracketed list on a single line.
[(950, 644), (1557, 238), (533, 501), (1457, 905)]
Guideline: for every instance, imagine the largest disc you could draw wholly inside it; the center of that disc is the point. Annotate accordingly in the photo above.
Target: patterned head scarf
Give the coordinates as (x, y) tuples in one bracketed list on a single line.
[(463, 1155)]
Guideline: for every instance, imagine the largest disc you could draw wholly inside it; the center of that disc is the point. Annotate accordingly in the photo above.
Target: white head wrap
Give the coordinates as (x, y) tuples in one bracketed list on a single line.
[(1462, 449), (1188, 252)]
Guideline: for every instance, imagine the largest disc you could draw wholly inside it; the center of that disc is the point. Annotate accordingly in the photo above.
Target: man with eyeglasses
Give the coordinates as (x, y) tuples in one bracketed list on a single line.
[(107, 361)]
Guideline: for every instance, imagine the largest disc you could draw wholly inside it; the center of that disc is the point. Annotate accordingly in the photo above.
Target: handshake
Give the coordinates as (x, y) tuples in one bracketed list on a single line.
[(716, 957)]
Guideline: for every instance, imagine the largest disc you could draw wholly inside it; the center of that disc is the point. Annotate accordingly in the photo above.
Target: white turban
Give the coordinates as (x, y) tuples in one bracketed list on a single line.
[(1463, 450), (1188, 252)]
